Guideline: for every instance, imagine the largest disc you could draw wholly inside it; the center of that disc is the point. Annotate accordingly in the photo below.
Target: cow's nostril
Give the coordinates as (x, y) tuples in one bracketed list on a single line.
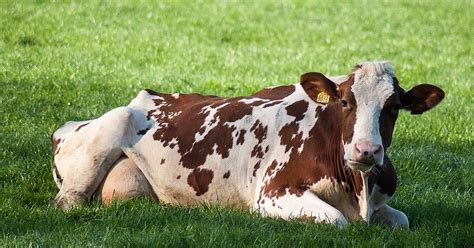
[(366, 153)]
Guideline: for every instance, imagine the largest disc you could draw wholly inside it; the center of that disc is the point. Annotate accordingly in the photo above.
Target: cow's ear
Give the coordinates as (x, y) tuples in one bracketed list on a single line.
[(319, 87), (422, 98)]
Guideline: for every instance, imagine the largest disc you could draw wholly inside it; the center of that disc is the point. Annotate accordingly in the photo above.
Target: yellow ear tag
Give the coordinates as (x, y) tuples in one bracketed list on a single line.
[(323, 97)]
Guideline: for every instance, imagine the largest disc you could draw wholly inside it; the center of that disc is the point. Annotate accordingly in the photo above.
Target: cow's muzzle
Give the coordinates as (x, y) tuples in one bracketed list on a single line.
[(365, 155)]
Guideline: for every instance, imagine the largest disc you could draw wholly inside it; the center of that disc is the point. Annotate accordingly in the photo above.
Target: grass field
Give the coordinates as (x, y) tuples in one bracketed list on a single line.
[(75, 61)]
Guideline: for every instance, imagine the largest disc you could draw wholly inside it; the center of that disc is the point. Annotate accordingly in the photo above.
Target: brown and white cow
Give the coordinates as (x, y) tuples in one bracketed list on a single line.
[(315, 149)]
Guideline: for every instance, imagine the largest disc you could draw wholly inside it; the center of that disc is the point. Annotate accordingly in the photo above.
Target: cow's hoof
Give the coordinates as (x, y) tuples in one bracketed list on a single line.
[(391, 217), (70, 199)]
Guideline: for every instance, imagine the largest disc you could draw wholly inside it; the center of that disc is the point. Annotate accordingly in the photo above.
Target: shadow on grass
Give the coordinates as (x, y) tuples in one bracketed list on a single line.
[(435, 181)]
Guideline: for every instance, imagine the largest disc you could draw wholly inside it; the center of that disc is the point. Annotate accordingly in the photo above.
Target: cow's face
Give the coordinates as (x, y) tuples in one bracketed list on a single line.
[(370, 101)]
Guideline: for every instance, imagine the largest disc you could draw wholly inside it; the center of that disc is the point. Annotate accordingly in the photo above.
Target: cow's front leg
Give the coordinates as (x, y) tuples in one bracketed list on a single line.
[(390, 217), (306, 206), (89, 152)]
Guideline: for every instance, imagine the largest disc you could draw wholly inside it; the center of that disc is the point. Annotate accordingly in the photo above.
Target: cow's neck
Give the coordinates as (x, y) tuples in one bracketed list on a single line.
[(329, 129), (330, 146)]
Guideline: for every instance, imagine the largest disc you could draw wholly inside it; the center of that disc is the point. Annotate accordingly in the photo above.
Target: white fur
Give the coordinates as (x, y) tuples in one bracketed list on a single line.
[(306, 206), (373, 85)]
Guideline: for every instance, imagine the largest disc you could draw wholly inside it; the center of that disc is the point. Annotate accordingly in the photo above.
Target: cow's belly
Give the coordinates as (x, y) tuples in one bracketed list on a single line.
[(218, 180)]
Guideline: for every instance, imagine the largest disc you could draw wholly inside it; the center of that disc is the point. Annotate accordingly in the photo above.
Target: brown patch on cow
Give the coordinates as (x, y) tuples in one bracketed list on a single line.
[(185, 112), (259, 130), (181, 118), (241, 137), (384, 176), (178, 177), (200, 179), (297, 109), (191, 120), (348, 113), (257, 151), (255, 168), (162, 161), (389, 114), (226, 175), (276, 93), (272, 103), (290, 137), (270, 168), (56, 147), (81, 126), (142, 132)]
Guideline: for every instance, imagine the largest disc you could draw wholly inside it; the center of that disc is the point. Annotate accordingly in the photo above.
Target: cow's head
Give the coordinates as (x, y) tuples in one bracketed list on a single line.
[(370, 100)]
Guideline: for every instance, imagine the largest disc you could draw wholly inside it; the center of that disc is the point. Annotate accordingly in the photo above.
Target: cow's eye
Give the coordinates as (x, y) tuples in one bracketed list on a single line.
[(344, 103)]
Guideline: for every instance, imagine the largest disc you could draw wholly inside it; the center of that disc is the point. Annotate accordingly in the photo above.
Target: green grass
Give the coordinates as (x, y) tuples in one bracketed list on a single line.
[(65, 61)]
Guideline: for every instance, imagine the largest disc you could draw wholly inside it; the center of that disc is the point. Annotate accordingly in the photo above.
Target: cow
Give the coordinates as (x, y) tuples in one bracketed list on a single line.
[(312, 150)]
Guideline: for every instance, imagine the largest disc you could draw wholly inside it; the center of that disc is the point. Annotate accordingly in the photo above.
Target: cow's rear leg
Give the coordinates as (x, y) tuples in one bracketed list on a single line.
[(86, 155), (124, 181), (307, 206), (390, 217)]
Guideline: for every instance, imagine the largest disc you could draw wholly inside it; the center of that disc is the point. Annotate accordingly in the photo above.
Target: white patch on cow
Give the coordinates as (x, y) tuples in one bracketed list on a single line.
[(175, 95), (365, 207), (144, 101), (252, 100), (368, 203), (373, 85), (210, 122), (306, 206)]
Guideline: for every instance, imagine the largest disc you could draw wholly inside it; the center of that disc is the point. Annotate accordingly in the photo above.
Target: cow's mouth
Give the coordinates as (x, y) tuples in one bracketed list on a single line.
[(359, 166)]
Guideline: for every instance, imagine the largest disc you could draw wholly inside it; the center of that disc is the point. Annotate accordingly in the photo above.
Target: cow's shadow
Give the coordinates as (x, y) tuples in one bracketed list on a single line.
[(435, 183)]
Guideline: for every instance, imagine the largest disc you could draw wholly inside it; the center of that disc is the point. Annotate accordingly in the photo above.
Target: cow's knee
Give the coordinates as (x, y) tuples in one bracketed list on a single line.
[(390, 217), (124, 181), (87, 152), (69, 199)]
